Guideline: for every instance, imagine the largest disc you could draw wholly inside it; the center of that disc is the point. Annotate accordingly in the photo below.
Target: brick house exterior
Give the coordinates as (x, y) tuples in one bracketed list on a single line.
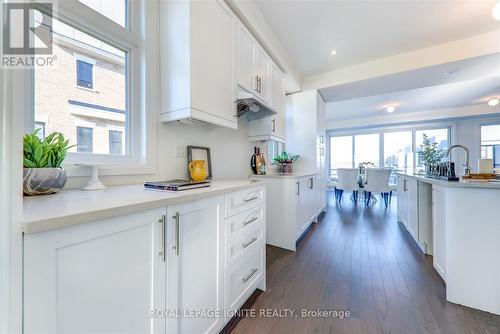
[(64, 106)]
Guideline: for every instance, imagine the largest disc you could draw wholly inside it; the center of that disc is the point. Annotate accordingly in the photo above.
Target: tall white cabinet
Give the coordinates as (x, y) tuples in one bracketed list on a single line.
[(305, 118), (197, 69), (306, 135)]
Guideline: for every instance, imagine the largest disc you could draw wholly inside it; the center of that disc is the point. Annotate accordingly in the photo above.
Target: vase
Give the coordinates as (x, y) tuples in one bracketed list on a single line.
[(43, 181)]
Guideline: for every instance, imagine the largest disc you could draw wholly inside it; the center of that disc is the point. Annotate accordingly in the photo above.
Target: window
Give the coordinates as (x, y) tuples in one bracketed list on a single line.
[(274, 149), (398, 153), (101, 45), (341, 152), (440, 136), (115, 142), (41, 132), (490, 143), (366, 149), (84, 74), (85, 139), (115, 10), (399, 150)]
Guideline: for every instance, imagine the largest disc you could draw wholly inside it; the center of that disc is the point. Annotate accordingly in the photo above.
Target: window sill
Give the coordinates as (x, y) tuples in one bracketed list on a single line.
[(111, 169), (92, 90)]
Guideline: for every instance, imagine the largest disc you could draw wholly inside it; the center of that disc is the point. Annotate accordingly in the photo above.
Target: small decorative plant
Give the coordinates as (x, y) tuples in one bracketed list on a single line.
[(429, 152), (42, 161), (284, 162), (46, 153)]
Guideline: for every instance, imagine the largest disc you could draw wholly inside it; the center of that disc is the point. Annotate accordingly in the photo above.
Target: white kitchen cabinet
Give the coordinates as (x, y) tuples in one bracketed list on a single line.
[(262, 68), (293, 203), (100, 277), (253, 66), (304, 111), (412, 221), (245, 63), (195, 270), (245, 267), (439, 230), (197, 80), (272, 127), (413, 200)]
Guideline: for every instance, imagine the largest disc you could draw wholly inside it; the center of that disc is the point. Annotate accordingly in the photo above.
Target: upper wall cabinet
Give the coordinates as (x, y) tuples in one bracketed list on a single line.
[(197, 43), (252, 66), (272, 127)]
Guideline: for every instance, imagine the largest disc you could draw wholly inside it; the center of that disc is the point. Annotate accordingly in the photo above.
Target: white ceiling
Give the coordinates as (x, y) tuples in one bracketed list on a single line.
[(452, 95), (365, 30)]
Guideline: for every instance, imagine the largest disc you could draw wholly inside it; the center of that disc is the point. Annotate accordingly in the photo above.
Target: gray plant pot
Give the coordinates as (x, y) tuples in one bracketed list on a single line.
[(43, 181)]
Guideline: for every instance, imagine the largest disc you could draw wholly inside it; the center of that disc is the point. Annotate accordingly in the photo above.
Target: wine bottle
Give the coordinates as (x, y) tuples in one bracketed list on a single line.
[(253, 160)]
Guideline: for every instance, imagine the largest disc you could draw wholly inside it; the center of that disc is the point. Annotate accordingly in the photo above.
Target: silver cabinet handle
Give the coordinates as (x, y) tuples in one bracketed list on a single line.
[(257, 83), (246, 244), (298, 189), (162, 251), (273, 125), (260, 85), (176, 221), (250, 199), (311, 185), (250, 221), (245, 279)]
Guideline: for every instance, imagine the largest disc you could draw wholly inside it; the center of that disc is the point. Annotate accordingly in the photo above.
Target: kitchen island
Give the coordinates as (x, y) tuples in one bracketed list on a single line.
[(459, 224)]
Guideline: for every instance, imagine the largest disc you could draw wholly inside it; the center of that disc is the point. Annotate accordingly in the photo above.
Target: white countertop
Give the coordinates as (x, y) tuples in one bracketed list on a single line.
[(71, 207), (285, 175), (461, 183)]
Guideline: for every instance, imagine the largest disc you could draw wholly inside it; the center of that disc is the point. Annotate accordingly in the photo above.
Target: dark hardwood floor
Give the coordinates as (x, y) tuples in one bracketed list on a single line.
[(360, 260)]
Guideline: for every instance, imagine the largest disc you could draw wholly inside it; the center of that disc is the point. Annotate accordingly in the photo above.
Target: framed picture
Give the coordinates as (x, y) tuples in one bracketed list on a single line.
[(200, 153)]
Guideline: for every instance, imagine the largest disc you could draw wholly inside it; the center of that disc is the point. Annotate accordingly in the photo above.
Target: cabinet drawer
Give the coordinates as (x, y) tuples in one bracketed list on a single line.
[(243, 277), (243, 223), (243, 200), (243, 244)]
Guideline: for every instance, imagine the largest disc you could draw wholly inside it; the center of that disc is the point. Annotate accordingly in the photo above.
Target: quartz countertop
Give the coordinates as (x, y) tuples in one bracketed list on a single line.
[(71, 207), (462, 183)]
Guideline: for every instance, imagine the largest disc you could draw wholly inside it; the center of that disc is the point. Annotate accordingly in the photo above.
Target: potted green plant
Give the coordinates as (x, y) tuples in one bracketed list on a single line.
[(429, 152), (284, 162), (43, 173)]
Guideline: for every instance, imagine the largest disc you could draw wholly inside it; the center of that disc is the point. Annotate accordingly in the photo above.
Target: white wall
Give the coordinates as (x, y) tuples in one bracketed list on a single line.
[(230, 152)]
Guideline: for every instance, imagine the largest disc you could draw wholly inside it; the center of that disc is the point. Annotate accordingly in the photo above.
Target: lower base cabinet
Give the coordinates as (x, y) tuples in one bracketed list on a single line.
[(177, 269), (293, 203), (439, 230), (101, 277), (195, 276)]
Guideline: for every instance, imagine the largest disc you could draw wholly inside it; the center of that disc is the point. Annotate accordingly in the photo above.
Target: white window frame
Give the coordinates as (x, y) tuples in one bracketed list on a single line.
[(141, 87)]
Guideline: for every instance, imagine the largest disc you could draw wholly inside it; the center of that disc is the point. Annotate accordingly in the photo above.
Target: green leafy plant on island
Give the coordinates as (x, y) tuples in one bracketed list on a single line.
[(44, 153), (285, 158), (429, 152)]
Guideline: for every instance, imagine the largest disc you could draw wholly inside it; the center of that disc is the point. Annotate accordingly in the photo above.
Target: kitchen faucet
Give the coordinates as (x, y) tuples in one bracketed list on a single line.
[(467, 166)]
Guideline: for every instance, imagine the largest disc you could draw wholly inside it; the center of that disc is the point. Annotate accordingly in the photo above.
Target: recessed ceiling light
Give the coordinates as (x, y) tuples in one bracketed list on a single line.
[(496, 11), (493, 102), (334, 52), (390, 108)]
